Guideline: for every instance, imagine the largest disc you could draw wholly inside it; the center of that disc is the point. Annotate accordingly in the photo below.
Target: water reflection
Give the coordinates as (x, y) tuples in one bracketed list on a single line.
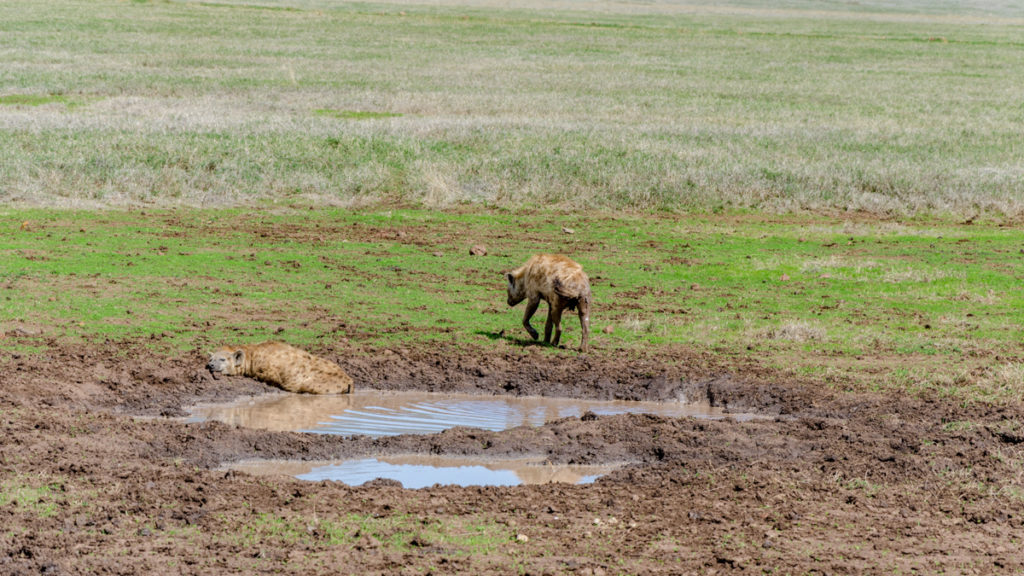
[(376, 413), (418, 471)]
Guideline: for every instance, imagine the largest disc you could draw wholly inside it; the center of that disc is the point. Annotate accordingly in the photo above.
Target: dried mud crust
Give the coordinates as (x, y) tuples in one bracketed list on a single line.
[(827, 482)]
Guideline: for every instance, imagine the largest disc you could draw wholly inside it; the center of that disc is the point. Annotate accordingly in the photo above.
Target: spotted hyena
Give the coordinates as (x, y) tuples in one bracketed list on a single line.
[(282, 365), (558, 281)]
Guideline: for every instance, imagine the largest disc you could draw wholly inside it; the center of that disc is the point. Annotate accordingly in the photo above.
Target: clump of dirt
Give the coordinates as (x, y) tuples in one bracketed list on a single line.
[(99, 473)]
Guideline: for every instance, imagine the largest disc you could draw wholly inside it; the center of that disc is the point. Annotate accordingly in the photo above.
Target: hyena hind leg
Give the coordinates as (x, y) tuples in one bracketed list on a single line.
[(583, 307), (555, 319)]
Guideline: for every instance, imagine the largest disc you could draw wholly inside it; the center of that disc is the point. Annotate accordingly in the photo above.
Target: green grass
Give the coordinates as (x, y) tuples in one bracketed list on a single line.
[(30, 99), (925, 306), (884, 107), (34, 495), (464, 536), (354, 114)]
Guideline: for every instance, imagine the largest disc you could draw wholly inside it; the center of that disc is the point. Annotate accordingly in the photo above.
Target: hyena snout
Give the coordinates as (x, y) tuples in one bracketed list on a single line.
[(217, 364)]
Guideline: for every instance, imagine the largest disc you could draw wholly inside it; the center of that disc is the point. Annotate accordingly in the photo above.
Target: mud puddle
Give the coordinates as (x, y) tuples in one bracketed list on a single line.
[(421, 471), (377, 413)]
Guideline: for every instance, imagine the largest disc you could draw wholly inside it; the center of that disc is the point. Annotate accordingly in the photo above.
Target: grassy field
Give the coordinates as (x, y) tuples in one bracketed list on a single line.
[(923, 307), (885, 107), (805, 195), (691, 123)]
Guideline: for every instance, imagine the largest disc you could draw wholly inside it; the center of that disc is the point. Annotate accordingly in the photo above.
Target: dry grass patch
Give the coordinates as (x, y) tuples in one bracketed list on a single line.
[(648, 107), (798, 331)]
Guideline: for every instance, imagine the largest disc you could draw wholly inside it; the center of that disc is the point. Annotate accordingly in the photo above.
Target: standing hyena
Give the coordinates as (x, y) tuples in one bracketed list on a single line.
[(558, 281)]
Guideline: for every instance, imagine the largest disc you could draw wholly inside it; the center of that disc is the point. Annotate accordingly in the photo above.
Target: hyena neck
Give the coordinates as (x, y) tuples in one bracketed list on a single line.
[(246, 362)]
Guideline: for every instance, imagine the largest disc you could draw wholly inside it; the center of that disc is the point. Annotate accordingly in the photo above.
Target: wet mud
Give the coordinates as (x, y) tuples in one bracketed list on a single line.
[(103, 474)]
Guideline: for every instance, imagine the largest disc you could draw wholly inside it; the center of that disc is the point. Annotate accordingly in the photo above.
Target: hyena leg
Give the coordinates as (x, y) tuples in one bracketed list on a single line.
[(531, 307), (547, 325), (584, 310), (555, 317)]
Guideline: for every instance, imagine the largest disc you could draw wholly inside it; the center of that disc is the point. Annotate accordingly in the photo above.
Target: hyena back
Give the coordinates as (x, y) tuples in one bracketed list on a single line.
[(558, 281)]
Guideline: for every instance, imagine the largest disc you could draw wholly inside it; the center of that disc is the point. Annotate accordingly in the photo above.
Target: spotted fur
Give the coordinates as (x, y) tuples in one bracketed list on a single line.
[(285, 366), (558, 281)]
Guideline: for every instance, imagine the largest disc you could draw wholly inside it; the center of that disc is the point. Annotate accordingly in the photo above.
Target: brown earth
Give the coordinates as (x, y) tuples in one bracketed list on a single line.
[(99, 476)]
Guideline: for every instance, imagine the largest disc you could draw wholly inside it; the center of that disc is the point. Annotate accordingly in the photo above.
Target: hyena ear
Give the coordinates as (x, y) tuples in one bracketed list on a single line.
[(511, 280), (239, 356)]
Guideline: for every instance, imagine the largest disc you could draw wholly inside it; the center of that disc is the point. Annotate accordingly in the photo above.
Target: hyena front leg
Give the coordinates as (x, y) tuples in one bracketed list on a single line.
[(531, 307)]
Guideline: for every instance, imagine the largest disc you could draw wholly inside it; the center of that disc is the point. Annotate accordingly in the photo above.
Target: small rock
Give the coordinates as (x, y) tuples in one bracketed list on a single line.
[(438, 254), (608, 329), (522, 538), (568, 230), (478, 250)]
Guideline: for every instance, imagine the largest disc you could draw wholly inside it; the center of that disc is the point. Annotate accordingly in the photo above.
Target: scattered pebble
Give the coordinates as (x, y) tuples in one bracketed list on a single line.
[(568, 230), (478, 250), (522, 538)]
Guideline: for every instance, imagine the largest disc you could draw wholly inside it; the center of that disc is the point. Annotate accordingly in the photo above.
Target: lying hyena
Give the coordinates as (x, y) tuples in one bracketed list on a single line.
[(558, 281), (282, 365)]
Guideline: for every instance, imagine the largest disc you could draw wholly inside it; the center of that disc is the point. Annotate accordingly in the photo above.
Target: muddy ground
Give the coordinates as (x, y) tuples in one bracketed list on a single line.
[(101, 475)]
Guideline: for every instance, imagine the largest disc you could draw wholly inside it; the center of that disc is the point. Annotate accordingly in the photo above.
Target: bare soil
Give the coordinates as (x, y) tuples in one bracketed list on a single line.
[(832, 482)]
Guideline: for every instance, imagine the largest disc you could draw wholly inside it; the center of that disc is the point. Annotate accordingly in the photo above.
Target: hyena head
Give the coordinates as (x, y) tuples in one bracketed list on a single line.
[(516, 289), (226, 360)]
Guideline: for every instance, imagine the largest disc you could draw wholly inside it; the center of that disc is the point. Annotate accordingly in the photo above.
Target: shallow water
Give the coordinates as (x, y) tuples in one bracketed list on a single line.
[(375, 413), (417, 471)]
